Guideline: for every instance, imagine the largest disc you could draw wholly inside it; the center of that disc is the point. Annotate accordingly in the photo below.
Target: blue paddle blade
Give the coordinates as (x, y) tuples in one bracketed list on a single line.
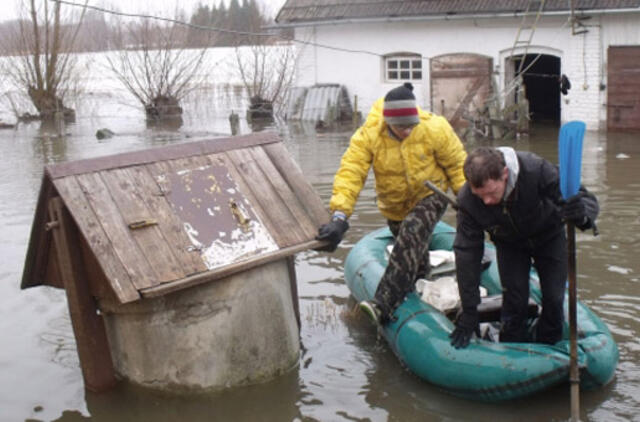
[(570, 157)]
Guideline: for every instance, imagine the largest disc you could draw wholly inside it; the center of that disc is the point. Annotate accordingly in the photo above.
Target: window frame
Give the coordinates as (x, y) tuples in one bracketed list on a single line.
[(408, 59)]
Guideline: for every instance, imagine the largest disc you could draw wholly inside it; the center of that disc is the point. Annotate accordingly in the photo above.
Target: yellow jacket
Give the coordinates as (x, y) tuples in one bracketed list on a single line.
[(431, 152)]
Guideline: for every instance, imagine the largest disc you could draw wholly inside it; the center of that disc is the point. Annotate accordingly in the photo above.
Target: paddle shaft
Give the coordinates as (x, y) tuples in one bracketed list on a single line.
[(574, 374), (442, 194)]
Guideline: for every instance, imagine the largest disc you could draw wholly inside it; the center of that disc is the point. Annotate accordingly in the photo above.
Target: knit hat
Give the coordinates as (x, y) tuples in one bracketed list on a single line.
[(400, 106)]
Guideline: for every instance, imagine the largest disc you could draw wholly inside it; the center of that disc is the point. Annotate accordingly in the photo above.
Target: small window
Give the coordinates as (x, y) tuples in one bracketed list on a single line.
[(403, 68)]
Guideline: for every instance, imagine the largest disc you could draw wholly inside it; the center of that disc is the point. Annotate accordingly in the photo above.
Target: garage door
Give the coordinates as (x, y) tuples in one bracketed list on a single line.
[(623, 98)]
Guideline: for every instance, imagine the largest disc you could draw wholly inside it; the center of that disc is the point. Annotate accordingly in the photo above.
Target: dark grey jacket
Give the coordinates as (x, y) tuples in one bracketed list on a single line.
[(529, 217)]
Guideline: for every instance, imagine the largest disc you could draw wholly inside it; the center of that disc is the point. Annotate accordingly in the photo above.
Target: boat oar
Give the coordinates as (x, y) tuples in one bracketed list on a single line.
[(570, 161), (442, 194)]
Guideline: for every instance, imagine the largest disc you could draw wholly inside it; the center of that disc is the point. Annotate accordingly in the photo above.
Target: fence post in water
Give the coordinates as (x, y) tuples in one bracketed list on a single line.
[(234, 121), (331, 113), (58, 119)]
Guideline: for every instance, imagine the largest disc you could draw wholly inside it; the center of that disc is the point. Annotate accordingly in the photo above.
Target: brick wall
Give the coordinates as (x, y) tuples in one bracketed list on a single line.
[(583, 67)]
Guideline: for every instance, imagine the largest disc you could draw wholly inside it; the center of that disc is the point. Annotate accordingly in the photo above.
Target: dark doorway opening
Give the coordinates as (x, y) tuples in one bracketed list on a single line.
[(542, 83)]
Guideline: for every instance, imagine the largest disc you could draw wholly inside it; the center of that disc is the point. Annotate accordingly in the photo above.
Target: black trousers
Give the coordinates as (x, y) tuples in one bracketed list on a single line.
[(514, 265)]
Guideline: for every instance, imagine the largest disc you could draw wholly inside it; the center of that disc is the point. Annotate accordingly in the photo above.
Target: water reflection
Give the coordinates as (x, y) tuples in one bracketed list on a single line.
[(135, 404), (170, 124)]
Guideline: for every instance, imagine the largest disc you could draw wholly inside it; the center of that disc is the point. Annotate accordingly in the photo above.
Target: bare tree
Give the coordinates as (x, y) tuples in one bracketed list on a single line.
[(267, 72), (41, 63), (152, 62)]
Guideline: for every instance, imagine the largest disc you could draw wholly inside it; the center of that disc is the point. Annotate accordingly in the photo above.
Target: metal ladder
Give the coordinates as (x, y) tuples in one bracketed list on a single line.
[(526, 30)]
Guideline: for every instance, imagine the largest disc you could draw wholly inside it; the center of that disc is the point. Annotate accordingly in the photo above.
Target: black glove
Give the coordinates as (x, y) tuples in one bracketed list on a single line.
[(581, 209), (466, 325), (332, 232)]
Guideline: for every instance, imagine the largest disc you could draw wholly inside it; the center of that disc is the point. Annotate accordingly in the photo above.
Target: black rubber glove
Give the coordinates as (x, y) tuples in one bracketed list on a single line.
[(581, 209), (466, 325), (332, 232)]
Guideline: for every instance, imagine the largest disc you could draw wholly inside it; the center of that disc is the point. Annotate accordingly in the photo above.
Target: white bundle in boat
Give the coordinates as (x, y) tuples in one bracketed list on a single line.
[(441, 293)]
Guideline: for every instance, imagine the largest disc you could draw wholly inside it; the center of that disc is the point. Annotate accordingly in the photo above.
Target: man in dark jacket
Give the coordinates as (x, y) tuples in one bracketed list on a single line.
[(515, 197)]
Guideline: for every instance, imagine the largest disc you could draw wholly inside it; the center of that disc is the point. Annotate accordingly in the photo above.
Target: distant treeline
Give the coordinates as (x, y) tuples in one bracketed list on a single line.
[(243, 16), (98, 29)]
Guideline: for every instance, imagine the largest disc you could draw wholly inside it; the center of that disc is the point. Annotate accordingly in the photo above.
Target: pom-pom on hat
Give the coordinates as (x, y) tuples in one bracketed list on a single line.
[(400, 106)]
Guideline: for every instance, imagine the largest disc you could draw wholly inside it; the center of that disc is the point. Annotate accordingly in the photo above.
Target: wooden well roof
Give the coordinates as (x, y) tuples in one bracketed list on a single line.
[(163, 219), (309, 11)]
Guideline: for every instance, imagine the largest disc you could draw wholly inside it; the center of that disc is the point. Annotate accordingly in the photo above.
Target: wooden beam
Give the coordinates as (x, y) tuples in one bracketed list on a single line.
[(467, 98), (35, 266), (472, 72), (293, 279), (88, 326), (227, 271), (152, 155)]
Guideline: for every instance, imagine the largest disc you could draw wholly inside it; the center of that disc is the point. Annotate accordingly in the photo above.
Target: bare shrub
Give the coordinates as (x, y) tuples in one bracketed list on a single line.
[(40, 62), (267, 73), (152, 62)]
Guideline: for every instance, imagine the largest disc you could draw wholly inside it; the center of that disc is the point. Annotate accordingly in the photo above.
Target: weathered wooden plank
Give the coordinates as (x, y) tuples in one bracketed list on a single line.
[(99, 285), (88, 326), (287, 196), (161, 172), (96, 237), (127, 250), (228, 270), (36, 262), (169, 224), (471, 72), (264, 217), (152, 244), (170, 152), (464, 103), (290, 171), (53, 277), (623, 91), (267, 197), (293, 280)]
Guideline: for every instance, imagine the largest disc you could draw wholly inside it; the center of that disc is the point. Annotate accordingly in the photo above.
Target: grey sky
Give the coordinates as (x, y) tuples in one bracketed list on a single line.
[(10, 8)]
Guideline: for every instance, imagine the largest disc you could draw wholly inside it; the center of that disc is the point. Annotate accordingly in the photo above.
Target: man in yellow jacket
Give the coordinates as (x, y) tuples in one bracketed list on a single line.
[(406, 147)]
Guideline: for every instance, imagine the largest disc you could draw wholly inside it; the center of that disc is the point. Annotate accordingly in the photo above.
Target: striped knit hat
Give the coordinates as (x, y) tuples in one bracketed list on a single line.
[(400, 106)]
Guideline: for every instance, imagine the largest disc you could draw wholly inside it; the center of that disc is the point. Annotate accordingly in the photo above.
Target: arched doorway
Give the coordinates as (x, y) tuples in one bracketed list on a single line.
[(541, 79)]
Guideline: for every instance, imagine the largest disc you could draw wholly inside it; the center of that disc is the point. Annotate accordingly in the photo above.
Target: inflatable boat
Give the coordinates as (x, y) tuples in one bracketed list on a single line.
[(486, 370)]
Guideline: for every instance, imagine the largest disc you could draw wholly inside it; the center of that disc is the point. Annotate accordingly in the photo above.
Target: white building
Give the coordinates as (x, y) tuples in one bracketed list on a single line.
[(460, 54)]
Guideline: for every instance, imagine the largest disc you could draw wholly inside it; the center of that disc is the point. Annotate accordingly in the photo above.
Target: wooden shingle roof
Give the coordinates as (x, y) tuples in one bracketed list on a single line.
[(163, 219), (309, 11)]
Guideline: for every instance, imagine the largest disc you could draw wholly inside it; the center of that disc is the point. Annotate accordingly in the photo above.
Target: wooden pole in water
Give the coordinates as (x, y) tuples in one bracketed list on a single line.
[(570, 162), (234, 121), (574, 374)]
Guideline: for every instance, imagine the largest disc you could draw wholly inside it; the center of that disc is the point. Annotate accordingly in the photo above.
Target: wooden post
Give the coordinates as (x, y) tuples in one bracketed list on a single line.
[(574, 373), (88, 326), (58, 118), (234, 121), (523, 112), (291, 265)]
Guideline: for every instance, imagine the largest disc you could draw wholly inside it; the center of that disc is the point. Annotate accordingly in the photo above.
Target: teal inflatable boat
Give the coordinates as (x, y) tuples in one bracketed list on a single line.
[(485, 370)]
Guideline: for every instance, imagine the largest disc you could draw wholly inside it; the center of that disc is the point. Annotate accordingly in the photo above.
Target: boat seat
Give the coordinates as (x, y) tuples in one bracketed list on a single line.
[(490, 307)]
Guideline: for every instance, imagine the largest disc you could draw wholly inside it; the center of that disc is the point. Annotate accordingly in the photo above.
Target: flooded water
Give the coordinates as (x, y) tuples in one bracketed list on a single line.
[(346, 373)]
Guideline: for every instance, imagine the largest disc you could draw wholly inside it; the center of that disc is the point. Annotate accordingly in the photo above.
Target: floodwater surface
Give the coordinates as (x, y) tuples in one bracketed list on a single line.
[(346, 373)]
